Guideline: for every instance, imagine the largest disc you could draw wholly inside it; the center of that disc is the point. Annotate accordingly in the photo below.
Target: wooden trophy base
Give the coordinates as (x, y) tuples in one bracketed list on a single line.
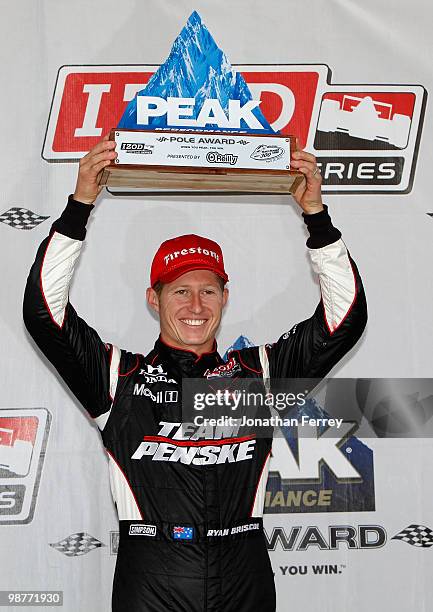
[(126, 176)]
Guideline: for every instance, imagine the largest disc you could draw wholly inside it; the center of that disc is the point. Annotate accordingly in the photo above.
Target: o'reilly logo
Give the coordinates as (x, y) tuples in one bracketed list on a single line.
[(142, 530), (213, 157)]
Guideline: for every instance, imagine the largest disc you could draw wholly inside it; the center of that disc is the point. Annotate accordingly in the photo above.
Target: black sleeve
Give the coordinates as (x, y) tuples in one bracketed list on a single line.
[(312, 347), (74, 348)]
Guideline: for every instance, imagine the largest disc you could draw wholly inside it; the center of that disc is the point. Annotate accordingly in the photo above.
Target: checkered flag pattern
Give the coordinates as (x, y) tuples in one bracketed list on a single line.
[(21, 218), (416, 535), (77, 544)]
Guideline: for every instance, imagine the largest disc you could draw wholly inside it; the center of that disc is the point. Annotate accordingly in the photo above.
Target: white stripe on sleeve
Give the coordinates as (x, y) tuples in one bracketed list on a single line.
[(102, 419), (56, 274), (337, 281)]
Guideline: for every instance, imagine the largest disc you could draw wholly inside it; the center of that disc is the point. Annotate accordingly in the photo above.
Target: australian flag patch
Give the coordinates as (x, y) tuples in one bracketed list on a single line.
[(183, 533)]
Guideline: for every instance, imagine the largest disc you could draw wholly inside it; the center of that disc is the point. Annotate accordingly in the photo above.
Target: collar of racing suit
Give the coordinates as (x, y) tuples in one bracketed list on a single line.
[(188, 362)]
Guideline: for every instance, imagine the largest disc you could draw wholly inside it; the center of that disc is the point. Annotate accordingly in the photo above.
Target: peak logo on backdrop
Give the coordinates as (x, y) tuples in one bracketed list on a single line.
[(323, 469), (366, 137), (240, 343), (23, 439), (319, 469)]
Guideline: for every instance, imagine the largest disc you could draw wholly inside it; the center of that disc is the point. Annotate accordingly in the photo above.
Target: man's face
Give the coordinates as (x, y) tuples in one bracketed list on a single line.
[(190, 310)]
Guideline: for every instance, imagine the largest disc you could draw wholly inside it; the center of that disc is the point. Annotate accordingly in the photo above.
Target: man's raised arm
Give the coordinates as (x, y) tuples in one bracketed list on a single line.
[(311, 348), (85, 363)]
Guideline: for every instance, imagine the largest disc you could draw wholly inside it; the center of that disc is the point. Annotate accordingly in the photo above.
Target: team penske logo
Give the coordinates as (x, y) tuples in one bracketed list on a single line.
[(365, 137), (192, 445)]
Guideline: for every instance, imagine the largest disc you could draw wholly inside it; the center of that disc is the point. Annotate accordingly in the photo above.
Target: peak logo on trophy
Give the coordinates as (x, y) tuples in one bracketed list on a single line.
[(196, 127)]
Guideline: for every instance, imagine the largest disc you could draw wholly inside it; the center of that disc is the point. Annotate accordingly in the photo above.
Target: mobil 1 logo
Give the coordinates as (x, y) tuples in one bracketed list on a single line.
[(23, 440)]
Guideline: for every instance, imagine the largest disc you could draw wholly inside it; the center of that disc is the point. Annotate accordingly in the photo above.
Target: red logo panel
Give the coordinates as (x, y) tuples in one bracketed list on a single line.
[(365, 137), (98, 101)]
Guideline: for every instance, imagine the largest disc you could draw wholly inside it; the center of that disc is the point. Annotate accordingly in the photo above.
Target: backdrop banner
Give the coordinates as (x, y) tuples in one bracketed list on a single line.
[(346, 531)]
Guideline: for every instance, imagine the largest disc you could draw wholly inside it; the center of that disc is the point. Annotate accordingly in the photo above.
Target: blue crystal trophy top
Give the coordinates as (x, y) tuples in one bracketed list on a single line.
[(195, 126)]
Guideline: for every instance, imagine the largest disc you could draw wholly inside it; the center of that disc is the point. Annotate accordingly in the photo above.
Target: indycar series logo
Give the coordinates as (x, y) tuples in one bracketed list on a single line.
[(23, 439), (365, 137)]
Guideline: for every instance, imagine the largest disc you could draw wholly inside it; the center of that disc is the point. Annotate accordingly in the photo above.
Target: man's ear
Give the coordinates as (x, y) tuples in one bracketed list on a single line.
[(225, 296), (152, 299)]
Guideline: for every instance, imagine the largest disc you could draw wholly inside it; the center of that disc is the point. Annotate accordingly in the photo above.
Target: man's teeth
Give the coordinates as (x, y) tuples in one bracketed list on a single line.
[(193, 321)]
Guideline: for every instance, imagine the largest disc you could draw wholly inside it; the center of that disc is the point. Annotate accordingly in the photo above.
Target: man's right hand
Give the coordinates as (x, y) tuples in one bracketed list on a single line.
[(91, 167)]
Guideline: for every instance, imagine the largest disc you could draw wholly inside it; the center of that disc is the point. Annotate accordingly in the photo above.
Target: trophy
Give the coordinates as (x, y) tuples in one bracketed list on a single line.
[(196, 127)]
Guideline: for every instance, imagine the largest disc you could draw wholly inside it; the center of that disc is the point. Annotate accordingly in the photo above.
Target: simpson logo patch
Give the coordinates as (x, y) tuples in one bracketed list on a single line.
[(142, 530)]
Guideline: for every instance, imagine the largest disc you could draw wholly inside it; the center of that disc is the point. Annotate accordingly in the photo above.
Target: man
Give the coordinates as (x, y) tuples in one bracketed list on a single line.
[(190, 508)]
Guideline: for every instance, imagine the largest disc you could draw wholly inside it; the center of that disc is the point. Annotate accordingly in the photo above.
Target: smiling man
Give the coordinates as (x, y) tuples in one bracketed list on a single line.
[(190, 501), (188, 291)]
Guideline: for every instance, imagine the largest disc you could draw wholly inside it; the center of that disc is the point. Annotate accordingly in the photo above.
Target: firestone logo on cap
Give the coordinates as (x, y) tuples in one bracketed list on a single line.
[(190, 251), (184, 254)]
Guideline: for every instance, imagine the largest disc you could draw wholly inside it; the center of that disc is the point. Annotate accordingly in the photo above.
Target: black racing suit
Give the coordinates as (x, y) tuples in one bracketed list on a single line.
[(190, 508)]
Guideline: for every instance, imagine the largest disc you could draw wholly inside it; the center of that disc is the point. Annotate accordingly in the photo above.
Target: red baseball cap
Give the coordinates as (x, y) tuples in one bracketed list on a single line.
[(183, 254)]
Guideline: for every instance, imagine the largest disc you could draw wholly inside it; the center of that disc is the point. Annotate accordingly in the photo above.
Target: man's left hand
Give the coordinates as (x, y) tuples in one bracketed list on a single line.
[(308, 195)]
